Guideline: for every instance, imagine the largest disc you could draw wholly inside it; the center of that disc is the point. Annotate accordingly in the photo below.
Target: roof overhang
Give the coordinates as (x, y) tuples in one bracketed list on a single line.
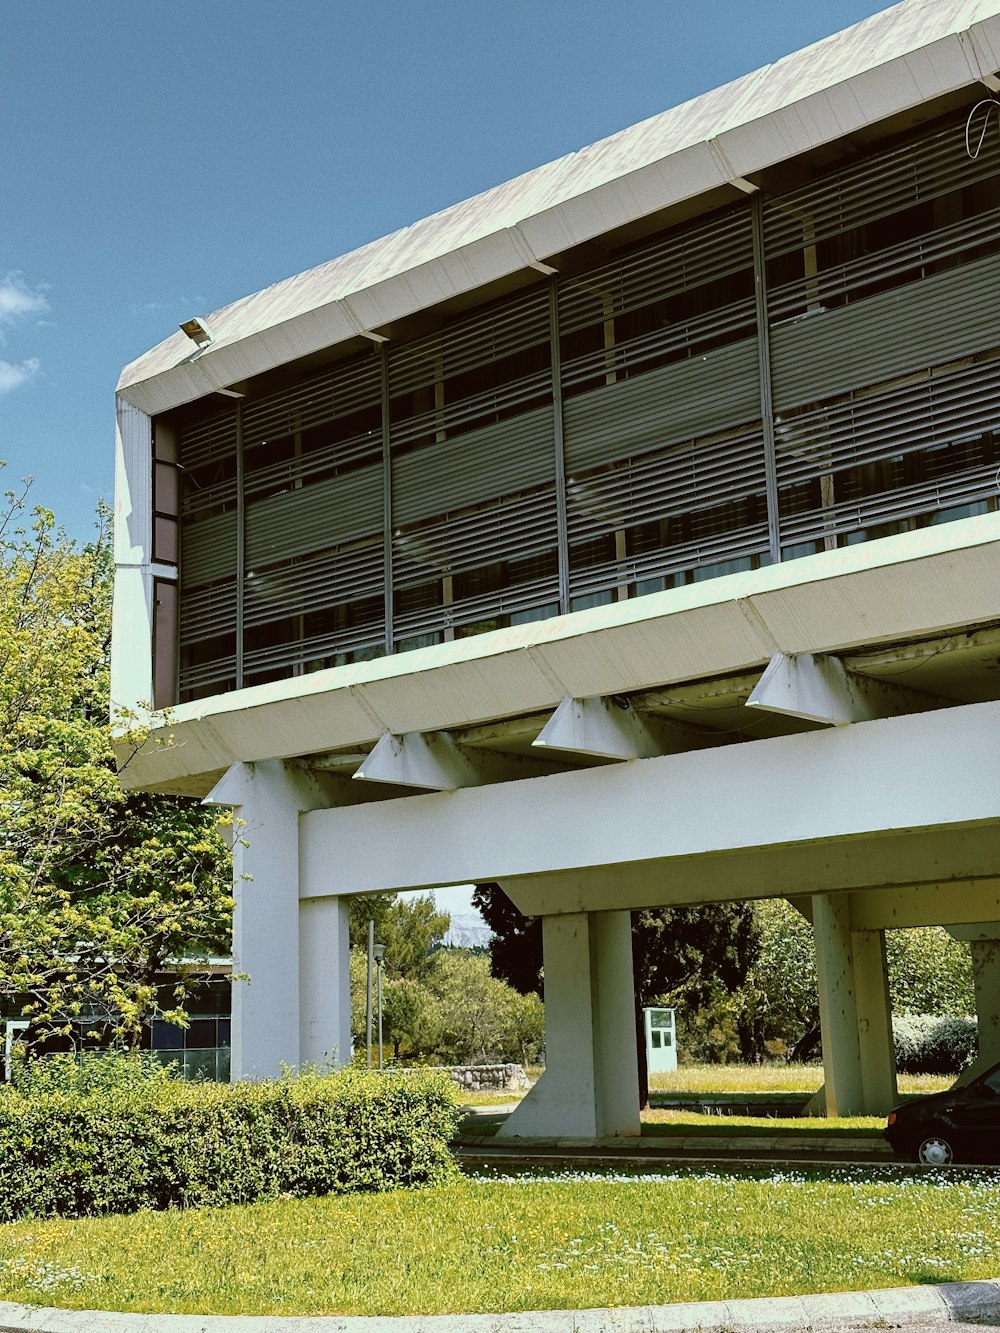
[(886, 67)]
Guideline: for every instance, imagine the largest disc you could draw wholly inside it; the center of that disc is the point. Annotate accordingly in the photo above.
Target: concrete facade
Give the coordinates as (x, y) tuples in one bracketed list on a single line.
[(533, 546)]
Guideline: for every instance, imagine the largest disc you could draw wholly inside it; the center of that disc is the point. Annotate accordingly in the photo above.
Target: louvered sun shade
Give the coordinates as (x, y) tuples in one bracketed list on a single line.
[(665, 475), (473, 474), (447, 465), (884, 343), (208, 459), (314, 523)]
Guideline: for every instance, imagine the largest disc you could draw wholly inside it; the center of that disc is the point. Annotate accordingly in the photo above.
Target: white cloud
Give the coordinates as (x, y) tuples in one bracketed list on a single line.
[(13, 375), (18, 300)]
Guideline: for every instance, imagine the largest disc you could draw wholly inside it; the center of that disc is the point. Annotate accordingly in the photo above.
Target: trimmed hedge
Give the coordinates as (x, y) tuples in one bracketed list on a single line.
[(172, 1144), (934, 1044)]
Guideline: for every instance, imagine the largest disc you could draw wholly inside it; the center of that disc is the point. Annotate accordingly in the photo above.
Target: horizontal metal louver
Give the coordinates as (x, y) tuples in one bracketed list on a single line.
[(436, 459), (209, 549), (204, 610), (678, 481), (472, 342), (210, 439), (693, 397), (505, 530), (306, 469), (898, 331), (298, 522), (914, 258), (481, 465), (876, 187), (499, 605), (207, 458), (707, 554), (930, 442), (708, 252), (331, 579), (338, 392)]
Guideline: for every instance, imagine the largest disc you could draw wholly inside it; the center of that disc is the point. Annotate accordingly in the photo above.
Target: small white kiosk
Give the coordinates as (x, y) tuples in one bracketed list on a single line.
[(14, 1028), (661, 1040)]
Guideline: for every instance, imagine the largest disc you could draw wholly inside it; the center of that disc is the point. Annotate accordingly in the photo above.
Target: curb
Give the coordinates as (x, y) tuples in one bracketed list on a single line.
[(951, 1302)]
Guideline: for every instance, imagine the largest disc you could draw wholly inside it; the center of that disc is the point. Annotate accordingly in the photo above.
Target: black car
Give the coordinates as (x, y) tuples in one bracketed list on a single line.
[(960, 1125)]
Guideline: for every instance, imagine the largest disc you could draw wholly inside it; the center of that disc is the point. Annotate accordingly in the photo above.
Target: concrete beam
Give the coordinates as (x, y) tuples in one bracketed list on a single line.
[(610, 728), (978, 930), (927, 770), (818, 688), (874, 867), (928, 904)]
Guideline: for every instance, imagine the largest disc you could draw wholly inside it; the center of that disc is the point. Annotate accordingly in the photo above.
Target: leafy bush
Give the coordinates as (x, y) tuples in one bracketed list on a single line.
[(91, 1072), (931, 1044), (163, 1143)]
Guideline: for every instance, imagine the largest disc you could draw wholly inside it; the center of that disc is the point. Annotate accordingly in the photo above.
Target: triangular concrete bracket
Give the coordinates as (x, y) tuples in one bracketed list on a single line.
[(431, 761), (813, 688), (604, 728), (820, 689)]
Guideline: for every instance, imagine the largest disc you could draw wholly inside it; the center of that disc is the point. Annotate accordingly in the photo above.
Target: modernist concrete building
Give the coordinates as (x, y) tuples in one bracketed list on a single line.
[(627, 535)]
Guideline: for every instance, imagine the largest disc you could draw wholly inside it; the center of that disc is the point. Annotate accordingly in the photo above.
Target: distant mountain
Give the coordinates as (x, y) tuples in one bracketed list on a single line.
[(468, 931)]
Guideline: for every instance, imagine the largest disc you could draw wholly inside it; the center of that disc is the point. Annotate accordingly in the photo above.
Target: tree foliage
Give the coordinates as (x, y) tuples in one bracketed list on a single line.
[(929, 973), (411, 929), (98, 888)]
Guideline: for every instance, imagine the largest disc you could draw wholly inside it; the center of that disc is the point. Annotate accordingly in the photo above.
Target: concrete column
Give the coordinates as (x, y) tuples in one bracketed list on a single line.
[(984, 943), (838, 1010), (878, 1055), (590, 1088), (324, 982), (289, 998), (986, 979)]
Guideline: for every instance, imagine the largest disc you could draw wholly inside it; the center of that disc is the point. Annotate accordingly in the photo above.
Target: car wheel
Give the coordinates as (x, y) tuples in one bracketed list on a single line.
[(934, 1150)]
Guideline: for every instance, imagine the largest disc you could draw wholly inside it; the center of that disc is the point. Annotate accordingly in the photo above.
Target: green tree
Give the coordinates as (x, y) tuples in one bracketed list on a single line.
[(929, 972), (779, 1006), (412, 1019), (483, 1020), (410, 928), (98, 888)]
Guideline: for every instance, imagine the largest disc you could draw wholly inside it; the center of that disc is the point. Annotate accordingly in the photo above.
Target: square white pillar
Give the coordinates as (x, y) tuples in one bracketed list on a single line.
[(878, 1054), (986, 980), (291, 999), (838, 1010), (324, 982), (590, 1088)]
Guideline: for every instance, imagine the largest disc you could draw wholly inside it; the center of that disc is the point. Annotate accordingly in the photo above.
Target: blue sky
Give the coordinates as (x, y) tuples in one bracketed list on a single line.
[(159, 160)]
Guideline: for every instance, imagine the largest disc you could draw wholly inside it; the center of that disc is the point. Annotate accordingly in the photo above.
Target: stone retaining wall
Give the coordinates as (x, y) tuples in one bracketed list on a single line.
[(489, 1078)]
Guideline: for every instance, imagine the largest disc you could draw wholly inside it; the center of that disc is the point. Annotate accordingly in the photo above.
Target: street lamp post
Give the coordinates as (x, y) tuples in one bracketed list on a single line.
[(379, 951), (368, 1006)]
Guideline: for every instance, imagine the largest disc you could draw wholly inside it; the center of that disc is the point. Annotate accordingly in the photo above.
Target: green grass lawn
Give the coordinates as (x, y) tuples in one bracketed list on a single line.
[(770, 1078), (695, 1124), (519, 1244), (738, 1079)]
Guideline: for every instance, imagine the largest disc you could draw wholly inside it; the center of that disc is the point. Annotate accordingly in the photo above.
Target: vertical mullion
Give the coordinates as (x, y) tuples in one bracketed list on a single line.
[(764, 362), (562, 529), (383, 351), (241, 546)]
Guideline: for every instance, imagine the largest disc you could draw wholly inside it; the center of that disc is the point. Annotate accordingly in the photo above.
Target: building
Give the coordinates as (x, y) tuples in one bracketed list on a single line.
[(627, 535)]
